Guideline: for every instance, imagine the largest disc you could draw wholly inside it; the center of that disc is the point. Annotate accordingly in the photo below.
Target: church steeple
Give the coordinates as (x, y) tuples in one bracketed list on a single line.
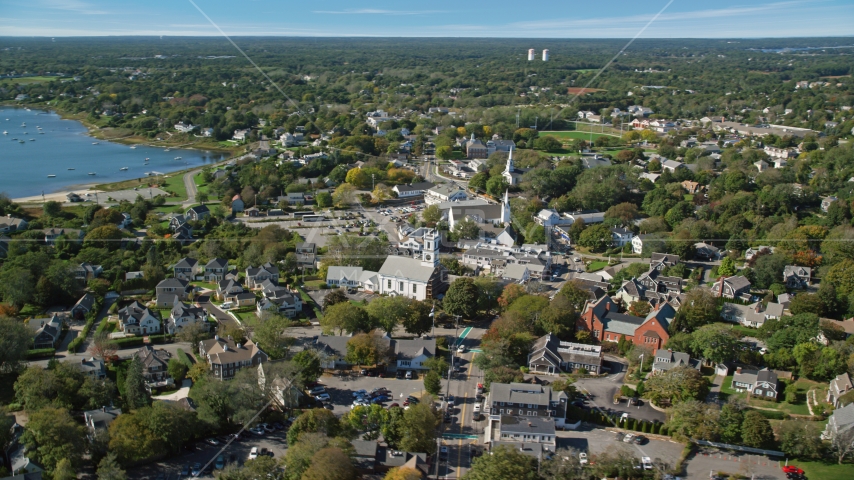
[(505, 208), (430, 254), (509, 169)]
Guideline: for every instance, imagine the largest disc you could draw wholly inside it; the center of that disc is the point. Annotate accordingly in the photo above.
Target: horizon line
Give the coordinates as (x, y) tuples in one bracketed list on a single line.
[(160, 37)]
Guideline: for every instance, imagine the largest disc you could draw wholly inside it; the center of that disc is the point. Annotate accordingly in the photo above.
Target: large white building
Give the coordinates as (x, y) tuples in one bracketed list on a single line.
[(511, 174), (420, 277)]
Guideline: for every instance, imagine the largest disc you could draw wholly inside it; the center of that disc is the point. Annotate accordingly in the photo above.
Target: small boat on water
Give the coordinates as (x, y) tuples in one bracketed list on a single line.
[(51, 176), (24, 125), (5, 132), (41, 133), (133, 147), (71, 169), (166, 150), (32, 139), (21, 141), (177, 158), (123, 168), (91, 173), (95, 143)]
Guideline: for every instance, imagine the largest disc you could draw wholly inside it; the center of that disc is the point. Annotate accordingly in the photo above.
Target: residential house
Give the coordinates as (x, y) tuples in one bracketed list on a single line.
[(839, 386), (216, 269), (333, 350), (241, 135), (796, 276), (638, 241), (671, 165), (267, 271), (603, 320), (71, 234), (517, 273), (655, 281), (535, 434), (187, 269), (197, 213), (692, 187), (444, 193), (621, 237), (83, 306), (172, 290), (552, 356), (86, 271), (306, 255), (138, 319), (47, 332), (632, 291), (668, 359), (183, 314), (761, 165), (411, 354), (237, 204), (524, 400), (9, 224), (154, 364), (826, 202), (226, 357), (753, 251), (280, 299), (732, 287), (99, 420), (413, 189), (343, 276), (706, 252), (753, 315), (840, 423), (92, 367), (759, 383), (660, 261)]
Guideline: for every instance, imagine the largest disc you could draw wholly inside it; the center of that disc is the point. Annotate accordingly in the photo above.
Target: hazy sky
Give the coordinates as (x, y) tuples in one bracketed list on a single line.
[(435, 18)]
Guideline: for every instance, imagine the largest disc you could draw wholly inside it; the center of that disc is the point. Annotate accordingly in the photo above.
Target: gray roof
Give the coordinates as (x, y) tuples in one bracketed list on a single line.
[(405, 267), (415, 187), (668, 359), (798, 271), (524, 393), (173, 283), (752, 377), (621, 323), (408, 349), (101, 418), (844, 417), (217, 263), (87, 301), (527, 425), (268, 267), (339, 273), (515, 271), (446, 190), (738, 282), (556, 351), (186, 263), (333, 344)]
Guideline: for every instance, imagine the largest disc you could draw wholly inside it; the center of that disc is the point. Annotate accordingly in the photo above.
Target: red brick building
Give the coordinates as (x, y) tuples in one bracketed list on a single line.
[(604, 322)]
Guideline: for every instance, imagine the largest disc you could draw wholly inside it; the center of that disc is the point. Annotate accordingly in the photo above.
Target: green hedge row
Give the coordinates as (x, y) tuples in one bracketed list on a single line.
[(613, 420), (75, 344), (183, 358), (137, 341), (40, 353)]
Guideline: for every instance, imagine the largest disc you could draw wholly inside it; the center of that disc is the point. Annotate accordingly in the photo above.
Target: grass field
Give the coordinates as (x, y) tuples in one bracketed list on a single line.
[(598, 265), (175, 184), (574, 134), (826, 471), (24, 80)]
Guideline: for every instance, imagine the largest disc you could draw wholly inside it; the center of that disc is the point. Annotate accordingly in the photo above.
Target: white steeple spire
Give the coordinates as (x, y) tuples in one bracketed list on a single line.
[(505, 208), (509, 169)]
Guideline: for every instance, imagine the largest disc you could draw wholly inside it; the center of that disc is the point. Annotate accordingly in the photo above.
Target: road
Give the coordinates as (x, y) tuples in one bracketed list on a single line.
[(603, 389), (190, 185), (225, 321)]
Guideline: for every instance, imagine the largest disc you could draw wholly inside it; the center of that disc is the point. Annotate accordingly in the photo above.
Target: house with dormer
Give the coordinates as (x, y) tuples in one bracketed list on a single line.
[(138, 319), (47, 332), (187, 269), (733, 287), (172, 290), (267, 271), (525, 400), (797, 277), (411, 354), (279, 299), (154, 366), (215, 270), (668, 360), (197, 213), (183, 314), (759, 383), (227, 357), (552, 356), (839, 386)]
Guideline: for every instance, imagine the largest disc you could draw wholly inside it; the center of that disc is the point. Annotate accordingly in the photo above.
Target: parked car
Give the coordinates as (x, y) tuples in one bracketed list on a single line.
[(400, 374), (197, 469), (212, 441), (451, 400), (322, 397), (220, 462), (793, 469), (461, 348), (629, 438), (443, 452), (582, 458), (257, 431), (409, 374), (360, 393), (185, 471), (317, 390), (269, 428), (394, 405), (328, 406), (647, 463), (253, 454), (476, 408), (640, 440), (278, 426)]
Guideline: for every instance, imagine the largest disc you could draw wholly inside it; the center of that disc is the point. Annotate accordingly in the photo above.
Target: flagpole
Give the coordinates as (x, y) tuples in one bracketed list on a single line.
[(433, 317)]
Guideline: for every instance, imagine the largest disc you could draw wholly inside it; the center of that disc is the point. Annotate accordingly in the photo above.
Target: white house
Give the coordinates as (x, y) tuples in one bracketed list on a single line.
[(183, 314), (419, 278), (138, 319), (444, 193), (621, 236)]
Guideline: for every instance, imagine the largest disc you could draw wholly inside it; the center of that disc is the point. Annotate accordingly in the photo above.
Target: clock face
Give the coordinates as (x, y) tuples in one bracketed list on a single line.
[(428, 257)]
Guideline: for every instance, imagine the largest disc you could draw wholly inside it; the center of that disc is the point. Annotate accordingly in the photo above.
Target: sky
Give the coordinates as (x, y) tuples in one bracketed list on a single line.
[(435, 18)]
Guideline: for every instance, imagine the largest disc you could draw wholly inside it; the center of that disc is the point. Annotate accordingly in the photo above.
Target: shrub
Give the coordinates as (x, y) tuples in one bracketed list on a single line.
[(664, 430), (656, 428), (792, 396), (40, 353), (524, 369), (646, 427), (183, 358)]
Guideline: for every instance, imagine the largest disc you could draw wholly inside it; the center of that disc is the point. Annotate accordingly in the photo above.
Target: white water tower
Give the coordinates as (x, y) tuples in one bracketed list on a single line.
[(531, 54), (546, 55)]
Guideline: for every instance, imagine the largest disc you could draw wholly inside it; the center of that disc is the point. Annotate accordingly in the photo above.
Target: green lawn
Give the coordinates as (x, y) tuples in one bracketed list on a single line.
[(315, 284), (209, 286), (30, 311), (169, 209), (175, 184), (826, 471), (597, 265), (574, 134)]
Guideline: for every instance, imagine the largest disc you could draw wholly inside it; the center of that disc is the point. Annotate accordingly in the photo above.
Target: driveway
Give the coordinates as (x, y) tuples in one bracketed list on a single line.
[(603, 389), (179, 394), (223, 319), (748, 466)]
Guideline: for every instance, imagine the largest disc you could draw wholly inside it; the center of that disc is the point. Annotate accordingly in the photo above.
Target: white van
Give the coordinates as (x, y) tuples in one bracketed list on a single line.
[(226, 305), (477, 408)]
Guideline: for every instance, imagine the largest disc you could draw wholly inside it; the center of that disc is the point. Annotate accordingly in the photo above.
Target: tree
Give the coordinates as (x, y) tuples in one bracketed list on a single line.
[(52, 208), (431, 215), (807, 303), (444, 152), (842, 444), (13, 344), (625, 212), (271, 335), (109, 468), (432, 383), (344, 194), (298, 456), (768, 269), (103, 346), (177, 370), (323, 199), (193, 333), (345, 317), (727, 267), (565, 464), (547, 143), (17, 285), (362, 349), (801, 439), (52, 435), (694, 420), (756, 431), (64, 470), (330, 464), (677, 385), (368, 419), (403, 473), (382, 192), (389, 312), (419, 319), (732, 416), (308, 362), (716, 343), (596, 237), (136, 395), (640, 308), (466, 229), (335, 296), (461, 298), (505, 463), (317, 420), (496, 186), (699, 308), (418, 427)]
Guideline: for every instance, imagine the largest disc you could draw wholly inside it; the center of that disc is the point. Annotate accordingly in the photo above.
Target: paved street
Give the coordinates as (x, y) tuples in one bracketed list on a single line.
[(224, 319), (708, 460)]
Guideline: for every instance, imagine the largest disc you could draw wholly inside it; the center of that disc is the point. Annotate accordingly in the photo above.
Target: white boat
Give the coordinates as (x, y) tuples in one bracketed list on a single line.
[(51, 176), (95, 143), (21, 141), (41, 133), (123, 168), (5, 132), (133, 147), (32, 139), (166, 150), (177, 158), (24, 125), (91, 173)]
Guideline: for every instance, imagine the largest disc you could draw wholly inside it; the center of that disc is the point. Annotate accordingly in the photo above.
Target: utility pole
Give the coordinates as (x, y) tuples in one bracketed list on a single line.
[(518, 112)]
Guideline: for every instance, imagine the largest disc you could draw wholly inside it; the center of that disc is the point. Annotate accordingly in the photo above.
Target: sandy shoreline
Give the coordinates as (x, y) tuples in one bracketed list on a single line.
[(59, 196)]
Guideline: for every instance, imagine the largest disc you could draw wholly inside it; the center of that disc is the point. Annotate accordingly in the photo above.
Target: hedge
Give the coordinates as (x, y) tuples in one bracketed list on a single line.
[(183, 358), (138, 341), (40, 353)]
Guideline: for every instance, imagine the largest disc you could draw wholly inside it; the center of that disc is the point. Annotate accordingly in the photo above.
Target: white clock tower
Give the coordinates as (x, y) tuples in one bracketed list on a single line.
[(430, 255)]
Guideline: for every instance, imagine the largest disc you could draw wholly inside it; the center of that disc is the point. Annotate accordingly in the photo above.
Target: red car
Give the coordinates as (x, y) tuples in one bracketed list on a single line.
[(793, 469)]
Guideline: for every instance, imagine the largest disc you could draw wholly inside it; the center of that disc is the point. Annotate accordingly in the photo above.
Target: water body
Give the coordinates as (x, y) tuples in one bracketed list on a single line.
[(24, 167)]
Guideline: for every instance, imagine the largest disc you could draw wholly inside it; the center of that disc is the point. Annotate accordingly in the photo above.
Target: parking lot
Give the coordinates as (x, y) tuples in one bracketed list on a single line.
[(202, 452), (598, 441)]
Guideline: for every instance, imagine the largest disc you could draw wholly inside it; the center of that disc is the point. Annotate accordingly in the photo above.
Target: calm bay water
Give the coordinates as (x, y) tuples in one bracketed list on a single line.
[(24, 167)]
